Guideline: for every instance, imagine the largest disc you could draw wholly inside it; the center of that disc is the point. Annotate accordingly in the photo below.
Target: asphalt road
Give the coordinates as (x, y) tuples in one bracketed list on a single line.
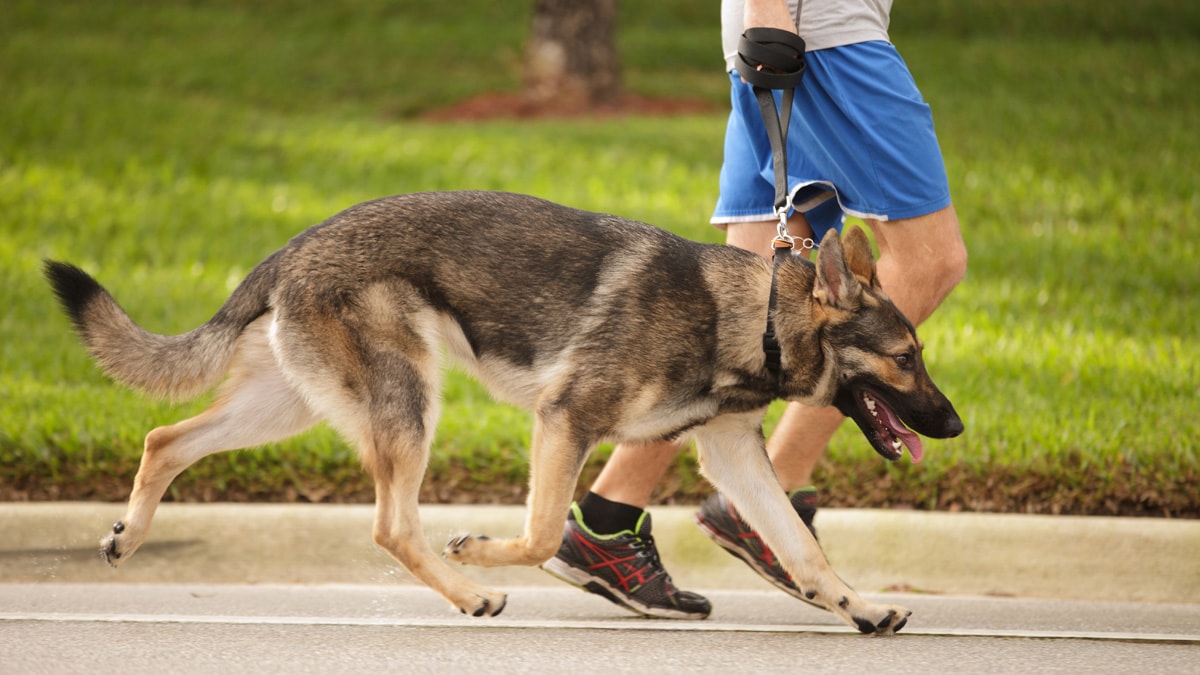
[(231, 628)]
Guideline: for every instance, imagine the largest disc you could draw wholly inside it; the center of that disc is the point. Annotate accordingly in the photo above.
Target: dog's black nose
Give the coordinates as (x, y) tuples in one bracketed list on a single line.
[(954, 426)]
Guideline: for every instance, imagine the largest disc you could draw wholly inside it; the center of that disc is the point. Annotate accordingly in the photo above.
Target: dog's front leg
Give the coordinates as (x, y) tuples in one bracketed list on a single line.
[(734, 459), (556, 457)]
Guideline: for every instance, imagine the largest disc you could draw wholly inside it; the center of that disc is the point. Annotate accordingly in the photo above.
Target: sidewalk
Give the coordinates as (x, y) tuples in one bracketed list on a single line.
[(1065, 557)]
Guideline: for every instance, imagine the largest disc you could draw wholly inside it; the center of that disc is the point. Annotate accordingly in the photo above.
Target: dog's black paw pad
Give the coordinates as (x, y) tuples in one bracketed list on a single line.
[(109, 552), (864, 626), (882, 625)]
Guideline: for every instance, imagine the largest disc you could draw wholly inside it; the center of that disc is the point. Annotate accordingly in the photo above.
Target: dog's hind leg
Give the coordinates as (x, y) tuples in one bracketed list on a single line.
[(375, 378), (395, 449), (734, 459), (397, 467), (556, 458), (255, 405)]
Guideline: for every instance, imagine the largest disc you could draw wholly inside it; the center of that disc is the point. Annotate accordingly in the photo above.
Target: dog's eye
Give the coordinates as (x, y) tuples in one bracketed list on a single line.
[(905, 361)]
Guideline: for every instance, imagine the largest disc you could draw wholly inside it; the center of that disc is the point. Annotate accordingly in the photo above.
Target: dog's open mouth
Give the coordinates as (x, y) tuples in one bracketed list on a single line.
[(884, 429)]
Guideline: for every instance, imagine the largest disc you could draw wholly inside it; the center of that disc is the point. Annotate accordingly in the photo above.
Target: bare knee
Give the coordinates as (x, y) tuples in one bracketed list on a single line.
[(936, 258), (954, 260), (947, 268), (920, 261)]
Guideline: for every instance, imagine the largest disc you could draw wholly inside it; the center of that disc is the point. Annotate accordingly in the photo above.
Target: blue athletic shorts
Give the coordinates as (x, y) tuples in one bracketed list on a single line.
[(860, 142)]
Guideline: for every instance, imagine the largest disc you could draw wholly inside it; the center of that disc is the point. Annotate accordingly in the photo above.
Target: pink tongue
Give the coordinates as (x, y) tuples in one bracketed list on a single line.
[(908, 438), (912, 442)]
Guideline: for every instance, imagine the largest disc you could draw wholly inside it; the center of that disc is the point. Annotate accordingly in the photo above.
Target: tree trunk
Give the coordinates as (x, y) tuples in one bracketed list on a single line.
[(571, 55)]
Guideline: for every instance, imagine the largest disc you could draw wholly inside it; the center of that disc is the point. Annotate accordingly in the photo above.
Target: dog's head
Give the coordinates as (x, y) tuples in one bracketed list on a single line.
[(881, 381)]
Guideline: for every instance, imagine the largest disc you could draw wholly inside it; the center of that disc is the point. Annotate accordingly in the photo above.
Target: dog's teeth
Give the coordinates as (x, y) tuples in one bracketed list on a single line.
[(870, 403), (897, 444)]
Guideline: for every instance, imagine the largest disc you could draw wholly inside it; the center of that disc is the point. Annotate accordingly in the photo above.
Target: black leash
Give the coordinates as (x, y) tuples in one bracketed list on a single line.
[(769, 58)]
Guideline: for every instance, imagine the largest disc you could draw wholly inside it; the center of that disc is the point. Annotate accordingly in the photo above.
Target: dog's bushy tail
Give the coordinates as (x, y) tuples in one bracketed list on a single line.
[(177, 367)]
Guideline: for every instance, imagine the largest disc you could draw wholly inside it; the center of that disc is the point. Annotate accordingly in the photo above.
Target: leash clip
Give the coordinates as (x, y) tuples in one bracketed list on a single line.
[(783, 238)]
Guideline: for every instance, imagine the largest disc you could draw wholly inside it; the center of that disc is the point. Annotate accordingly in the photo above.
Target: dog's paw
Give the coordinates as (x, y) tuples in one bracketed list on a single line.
[(489, 604), (110, 546), (464, 548), (881, 619)]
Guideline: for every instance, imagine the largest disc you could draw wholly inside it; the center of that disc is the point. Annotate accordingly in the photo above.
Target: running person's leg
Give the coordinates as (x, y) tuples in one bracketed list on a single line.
[(888, 171), (879, 156)]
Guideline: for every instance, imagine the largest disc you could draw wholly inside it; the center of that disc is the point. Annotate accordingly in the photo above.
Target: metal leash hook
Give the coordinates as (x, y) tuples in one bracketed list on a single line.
[(783, 238)]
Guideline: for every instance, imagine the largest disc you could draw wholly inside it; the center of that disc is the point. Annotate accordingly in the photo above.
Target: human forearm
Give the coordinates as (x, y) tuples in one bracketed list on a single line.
[(768, 14)]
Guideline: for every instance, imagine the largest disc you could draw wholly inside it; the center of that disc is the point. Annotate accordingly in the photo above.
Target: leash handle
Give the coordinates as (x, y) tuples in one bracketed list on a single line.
[(771, 58)]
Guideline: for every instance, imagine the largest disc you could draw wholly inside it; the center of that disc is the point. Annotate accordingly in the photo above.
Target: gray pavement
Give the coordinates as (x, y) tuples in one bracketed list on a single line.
[(262, 588), (1059, 557), (270, 628)]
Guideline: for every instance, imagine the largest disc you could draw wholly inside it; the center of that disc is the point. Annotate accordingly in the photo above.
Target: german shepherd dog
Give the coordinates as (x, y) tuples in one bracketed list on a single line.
[(605, 328)]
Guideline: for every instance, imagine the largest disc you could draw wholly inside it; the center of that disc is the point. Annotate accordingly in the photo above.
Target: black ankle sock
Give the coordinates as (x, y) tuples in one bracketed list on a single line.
[(603, 516)]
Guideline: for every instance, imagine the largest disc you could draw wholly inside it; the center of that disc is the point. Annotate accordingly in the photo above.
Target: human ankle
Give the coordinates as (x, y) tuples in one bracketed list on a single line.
[(604, 516)]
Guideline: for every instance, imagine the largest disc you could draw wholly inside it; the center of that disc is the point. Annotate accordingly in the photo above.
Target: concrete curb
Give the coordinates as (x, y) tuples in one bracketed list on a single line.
[(1067, 557)]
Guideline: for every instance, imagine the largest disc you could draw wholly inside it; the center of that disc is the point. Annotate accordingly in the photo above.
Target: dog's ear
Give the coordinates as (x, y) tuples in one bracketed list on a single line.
[(835, 286), (859, 257)]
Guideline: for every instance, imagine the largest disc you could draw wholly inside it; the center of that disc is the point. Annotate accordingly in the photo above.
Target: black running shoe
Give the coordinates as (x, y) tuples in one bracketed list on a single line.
[(721, 522), (624, 568)]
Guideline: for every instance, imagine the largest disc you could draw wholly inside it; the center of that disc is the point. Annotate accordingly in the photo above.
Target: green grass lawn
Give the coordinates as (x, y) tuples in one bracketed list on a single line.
[(168, 147)]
